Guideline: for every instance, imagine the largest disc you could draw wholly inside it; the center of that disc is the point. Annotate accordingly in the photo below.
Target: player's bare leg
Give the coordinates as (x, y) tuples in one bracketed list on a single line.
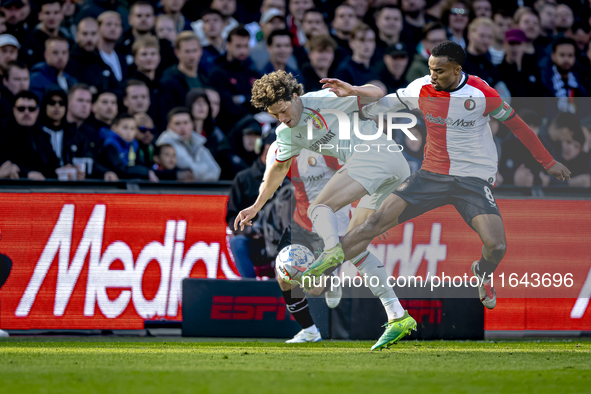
[(492, 233)]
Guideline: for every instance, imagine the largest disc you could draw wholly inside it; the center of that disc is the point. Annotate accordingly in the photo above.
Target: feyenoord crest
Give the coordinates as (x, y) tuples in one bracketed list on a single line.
[(312, 161), (469, 104), (402, 187)]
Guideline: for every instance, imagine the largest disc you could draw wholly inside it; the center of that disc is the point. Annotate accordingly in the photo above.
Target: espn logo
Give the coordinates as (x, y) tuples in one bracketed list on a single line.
[(247, 308), (420, 308)]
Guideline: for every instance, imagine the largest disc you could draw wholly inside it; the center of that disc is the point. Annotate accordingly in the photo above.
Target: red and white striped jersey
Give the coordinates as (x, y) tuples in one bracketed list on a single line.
[(459, 139), (309, 173)]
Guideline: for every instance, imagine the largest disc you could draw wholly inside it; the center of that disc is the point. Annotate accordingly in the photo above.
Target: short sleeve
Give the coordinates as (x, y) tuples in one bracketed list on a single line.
[(405, 98), (285, 148), (327, 99)]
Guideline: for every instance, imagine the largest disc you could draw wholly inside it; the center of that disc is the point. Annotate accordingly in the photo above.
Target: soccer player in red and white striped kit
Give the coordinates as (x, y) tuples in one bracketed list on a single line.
[(460, 160)]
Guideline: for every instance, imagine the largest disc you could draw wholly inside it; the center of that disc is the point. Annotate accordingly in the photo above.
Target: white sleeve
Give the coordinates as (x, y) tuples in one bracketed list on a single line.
[(404, 98), (271, 156), (285, 148), (328, 100)]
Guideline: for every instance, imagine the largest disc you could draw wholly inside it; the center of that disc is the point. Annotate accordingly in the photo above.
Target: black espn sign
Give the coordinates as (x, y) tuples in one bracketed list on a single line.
[(255, 309)]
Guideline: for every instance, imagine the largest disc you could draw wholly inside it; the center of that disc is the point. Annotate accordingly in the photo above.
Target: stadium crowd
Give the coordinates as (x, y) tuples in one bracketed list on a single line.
[(160, 90)]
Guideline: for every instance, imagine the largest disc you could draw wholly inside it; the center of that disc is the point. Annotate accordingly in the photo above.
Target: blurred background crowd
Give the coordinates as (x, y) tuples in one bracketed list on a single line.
[(160, 90)]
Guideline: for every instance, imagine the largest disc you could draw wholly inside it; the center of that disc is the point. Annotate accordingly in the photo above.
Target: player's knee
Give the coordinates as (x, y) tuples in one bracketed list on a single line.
[(497, 249), (371, 227)]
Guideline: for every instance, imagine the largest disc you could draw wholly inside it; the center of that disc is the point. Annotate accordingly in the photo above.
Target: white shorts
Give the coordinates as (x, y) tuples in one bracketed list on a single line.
[(380, 173)]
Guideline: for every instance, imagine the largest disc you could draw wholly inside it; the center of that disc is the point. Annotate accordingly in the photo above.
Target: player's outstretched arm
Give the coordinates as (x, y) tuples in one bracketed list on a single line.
[(367, 93), (272, 181)]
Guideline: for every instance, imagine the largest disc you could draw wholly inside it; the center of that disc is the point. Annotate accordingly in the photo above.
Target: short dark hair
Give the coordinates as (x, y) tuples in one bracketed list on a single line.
[(563, 41), (239, 31), (79, 86), (121, 117), (178, 111), (321, 43), (134, 82), (453, 51), (568, 120), (431, 26), (26, 94), (158, 148), (530, 117), (276, 33), (209, 11), (381, 8), (503, 13), (13, 64), (315, 11), (139, 4), (55, 39), (45, 2)]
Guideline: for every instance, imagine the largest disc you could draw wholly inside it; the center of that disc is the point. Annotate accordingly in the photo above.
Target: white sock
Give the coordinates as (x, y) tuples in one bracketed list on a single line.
[(325, 223), (370, 265), (312, 329)]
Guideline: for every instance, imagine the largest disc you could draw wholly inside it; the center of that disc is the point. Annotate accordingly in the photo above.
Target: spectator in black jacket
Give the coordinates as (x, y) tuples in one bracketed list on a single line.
[(391, 71), (356, 69), (217, 143), (51, 74), (16, 80), (145, 137), (50, 18), (234, 78), (280, 51), (321, 55), (179, 79), (120, 150), (166, 167), (86, 64), (137, 97), (109, 34), (78, 114), (9, 47), (390, 24), (141, 23), (104, 110)]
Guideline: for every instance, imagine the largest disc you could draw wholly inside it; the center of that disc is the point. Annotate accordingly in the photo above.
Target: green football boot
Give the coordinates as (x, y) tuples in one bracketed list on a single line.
[(329, 258), (395, 331)]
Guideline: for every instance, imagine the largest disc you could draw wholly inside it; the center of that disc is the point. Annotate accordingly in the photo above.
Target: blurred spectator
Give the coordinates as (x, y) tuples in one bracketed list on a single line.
[(522, 79), (104, 110), (564, 18), (146, 54), (8, 170), (141, 23), (145, 137), (581, 33), (166, 165), (496, 50), (456, 15), (295, 19), (527, 20), (321, 55), (255, 28), (517, 165), (248, 245), (359, 6), (15, 81), (270, 21), (95, 8), (50, 75), (110, 30), (217, 143), (280, 50), (243, 138), (342, 26), (233, 79), (137, 97), (214, 102), (213, 23), (227, 8), (78, 113), (173, 8), (50, 18), (177, 80), (560, 79), (482, 9), (392, 69), (314, 24), (562, 127), (2, 22), (576, 159), (165, 29), (189, 146), (9, 47), (86, 64), (120, 150), (480, 37), (547, 13), (68, 26), (19, 19), (415, 17), (433, 34), (356, 70), (389, 22)]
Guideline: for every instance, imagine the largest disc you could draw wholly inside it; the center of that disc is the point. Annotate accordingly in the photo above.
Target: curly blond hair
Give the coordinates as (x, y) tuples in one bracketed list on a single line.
[(274, 87)]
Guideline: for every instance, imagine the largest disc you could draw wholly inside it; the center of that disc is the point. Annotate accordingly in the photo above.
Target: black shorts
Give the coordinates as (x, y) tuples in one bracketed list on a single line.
[(425, 191), (297, 235)]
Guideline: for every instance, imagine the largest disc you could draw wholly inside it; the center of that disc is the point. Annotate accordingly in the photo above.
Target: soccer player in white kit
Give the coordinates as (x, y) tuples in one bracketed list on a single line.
[(460, 163), (370, 175)]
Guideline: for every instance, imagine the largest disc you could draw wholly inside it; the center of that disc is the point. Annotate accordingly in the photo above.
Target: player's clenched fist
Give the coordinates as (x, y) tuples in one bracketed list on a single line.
[(559, 171), (245, 217)]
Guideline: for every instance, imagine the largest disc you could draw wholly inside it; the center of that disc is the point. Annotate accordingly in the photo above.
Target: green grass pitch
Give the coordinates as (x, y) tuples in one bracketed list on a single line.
[(165, 365)]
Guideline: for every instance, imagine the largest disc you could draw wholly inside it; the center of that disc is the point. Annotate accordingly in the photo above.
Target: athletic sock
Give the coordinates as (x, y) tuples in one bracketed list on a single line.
[(325, 223), (297, 305), (312, 329), (370, 265), (485, 268)]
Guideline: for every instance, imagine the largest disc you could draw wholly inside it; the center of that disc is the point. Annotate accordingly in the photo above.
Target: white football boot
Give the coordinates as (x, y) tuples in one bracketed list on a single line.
[(333, 296), (303, 336), (4, 334)]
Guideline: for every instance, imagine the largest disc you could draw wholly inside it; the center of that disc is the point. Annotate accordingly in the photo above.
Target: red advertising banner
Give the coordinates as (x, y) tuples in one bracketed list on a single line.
[(84, 261), (110, 261)]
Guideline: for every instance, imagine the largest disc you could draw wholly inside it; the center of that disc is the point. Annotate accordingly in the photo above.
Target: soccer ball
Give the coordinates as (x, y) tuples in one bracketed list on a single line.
[(292, 261)]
